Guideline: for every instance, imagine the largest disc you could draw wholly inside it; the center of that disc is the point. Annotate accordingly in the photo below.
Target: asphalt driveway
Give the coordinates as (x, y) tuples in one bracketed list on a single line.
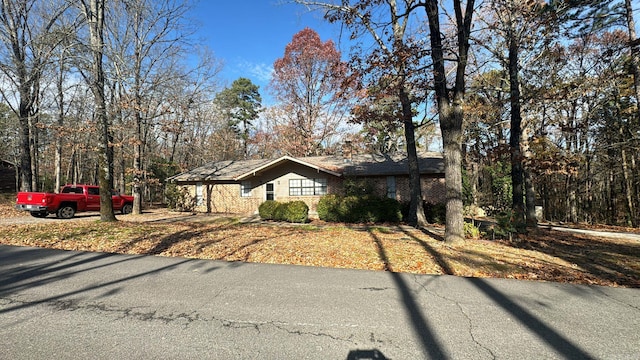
[(70, 305)]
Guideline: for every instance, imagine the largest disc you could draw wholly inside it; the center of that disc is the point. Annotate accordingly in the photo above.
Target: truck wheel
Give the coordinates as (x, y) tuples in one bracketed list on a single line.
[(39, 214), (126, 209), (66, 212)]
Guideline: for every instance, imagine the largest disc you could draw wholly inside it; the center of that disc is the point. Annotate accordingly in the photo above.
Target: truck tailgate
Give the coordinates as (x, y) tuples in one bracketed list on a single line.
[(30, 198)]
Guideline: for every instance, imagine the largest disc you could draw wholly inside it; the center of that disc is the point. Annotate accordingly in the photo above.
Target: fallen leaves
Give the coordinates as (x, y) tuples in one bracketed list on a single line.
[(545, 255)]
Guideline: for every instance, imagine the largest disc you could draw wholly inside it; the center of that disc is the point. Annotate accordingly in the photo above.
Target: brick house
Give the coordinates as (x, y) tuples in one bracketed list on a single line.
[(240, 186), (7, 177)]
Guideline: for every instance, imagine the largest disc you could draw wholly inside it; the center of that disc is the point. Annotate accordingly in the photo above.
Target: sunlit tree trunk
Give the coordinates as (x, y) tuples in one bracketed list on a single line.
[(450, 109), (93, 10)]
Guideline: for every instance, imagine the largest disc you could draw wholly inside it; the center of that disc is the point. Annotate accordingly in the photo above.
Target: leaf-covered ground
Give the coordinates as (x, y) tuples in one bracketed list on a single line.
[(543, 255)]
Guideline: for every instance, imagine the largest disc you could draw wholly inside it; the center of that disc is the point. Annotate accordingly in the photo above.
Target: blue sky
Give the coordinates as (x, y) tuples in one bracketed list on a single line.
[(249, 35)]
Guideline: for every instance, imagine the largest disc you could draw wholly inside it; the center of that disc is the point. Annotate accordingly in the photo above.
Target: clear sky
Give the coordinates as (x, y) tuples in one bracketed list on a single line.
[(249, 35)]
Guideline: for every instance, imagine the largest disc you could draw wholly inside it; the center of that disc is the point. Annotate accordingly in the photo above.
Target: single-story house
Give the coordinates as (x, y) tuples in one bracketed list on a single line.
[(7, 177), (240, 186)]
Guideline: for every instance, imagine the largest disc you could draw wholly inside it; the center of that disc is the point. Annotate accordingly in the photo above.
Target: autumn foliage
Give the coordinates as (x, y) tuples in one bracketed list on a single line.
[(309, 82)]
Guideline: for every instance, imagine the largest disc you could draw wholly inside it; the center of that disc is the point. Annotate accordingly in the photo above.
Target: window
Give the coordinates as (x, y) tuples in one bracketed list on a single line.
[(93, 191), (245, 188), (391, 187), (199, 197), (72, 190), (270, 192), (307, 187)]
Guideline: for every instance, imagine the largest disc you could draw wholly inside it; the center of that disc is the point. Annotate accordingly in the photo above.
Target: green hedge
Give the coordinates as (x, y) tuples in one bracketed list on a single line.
[(267, 209), (294, 211), (358, 209)]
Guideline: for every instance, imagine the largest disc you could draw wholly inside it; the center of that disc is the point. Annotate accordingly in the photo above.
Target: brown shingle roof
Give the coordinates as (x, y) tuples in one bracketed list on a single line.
[(358, 165)]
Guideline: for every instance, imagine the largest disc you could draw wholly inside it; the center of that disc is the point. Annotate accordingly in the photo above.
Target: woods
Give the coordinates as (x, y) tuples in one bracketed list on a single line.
[(533, 103)]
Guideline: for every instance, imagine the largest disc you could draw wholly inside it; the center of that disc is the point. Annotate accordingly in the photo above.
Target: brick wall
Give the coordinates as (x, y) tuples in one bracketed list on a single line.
[(225, 198)]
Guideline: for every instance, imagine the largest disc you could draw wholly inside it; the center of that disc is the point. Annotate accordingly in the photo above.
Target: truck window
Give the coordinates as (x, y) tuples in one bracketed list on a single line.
[(93, 191), (71, 190)]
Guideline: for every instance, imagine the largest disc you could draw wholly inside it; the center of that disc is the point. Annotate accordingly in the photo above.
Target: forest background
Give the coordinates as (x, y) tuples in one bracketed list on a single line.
[(121, 93)]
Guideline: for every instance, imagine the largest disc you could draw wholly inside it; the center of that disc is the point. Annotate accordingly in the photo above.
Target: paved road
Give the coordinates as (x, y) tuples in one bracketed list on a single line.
[(71, 305), (598, 233)]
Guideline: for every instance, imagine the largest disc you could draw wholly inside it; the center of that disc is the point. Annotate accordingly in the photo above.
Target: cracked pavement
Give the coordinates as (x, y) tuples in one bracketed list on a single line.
[(70, 305)]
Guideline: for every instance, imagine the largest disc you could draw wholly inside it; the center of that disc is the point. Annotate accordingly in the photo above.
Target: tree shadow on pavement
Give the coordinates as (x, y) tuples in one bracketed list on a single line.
[(558, 342), (431, 346), (55, 270)]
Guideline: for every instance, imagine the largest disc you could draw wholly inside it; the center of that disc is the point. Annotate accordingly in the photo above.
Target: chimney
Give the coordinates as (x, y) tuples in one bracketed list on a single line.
[(347, 151)]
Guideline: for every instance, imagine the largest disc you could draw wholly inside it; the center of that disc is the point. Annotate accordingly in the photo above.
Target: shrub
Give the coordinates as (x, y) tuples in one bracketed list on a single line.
[(435, 213), (278, 212), (471, 231), (178, 198), (295, 211), (359, 209), (505, 227), (267, 209), (328, 208)]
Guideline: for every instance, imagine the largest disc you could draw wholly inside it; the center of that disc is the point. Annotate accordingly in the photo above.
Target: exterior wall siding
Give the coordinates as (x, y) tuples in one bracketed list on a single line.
[(226, 198)]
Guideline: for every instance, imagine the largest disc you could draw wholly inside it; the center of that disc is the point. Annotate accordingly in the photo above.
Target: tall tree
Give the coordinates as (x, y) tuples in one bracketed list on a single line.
[(26, 28), (519, 24), (309, 81), (450, 100), (146, 40), (93, 12), (394, 61), (240, 105)]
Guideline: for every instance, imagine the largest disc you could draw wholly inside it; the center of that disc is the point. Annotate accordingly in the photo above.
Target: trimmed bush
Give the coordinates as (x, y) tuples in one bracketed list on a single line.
[(267, 209), (328, 208), (295, 211), (359, 209)]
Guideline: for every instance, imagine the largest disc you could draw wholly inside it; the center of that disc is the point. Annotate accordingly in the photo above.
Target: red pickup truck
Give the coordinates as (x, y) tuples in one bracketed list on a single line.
[(71, 199)]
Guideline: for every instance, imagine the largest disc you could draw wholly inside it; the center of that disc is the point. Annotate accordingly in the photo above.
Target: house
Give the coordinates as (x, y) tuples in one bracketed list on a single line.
[(240, 186), (7, 177)]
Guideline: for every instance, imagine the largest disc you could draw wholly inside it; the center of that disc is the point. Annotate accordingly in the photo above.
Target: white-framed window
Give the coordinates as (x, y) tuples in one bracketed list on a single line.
[(391, 187), (307, 187), (245, 188)]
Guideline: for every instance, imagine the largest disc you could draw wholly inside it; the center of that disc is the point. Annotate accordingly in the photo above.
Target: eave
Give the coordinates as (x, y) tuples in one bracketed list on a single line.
[(277, 162)]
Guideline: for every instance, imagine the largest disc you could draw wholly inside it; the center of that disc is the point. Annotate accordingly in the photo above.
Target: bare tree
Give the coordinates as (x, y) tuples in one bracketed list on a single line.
[(93, 12), (25, 32), (147, 39)]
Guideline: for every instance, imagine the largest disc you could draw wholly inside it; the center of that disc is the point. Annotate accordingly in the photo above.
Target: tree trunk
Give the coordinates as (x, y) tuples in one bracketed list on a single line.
[(33, 148), (58, 156), (450, 110), (517, 173), (94, 13), (25, 155), (530, 193), (628, 189), (416, 210)]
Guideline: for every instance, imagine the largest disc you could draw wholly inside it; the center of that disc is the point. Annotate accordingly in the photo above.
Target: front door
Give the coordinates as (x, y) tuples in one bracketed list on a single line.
[(270, 192)]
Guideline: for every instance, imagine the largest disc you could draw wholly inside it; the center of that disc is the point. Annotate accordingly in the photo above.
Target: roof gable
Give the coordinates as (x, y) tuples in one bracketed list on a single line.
[(280, 162), (357, 165)]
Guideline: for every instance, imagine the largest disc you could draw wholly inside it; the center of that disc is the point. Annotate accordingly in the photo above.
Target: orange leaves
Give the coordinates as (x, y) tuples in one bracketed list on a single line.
[(544, 255)]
